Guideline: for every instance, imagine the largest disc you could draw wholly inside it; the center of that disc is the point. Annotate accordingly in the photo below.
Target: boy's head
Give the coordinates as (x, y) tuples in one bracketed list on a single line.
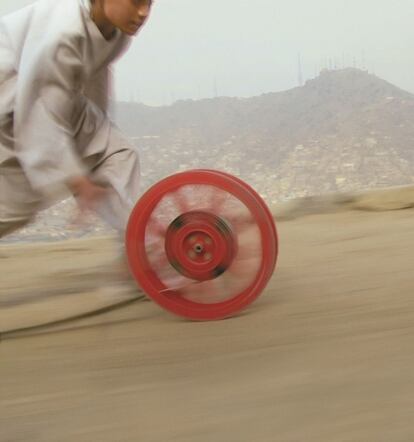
[(126, 15)]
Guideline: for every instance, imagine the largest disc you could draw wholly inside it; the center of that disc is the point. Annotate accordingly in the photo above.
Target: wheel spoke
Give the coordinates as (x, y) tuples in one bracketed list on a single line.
[(160, 262), (181, 201), (217, 199), (156, 228)]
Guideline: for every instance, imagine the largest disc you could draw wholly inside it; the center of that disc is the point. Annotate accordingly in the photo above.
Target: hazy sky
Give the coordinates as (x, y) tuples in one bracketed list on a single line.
[(200, 48)]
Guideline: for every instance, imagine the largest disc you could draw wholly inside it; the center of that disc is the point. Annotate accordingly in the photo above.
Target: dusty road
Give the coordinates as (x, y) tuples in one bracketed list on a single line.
[(326, 354)]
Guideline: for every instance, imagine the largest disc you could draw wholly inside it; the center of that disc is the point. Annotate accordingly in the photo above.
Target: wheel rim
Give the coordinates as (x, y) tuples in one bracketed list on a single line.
[(163, 224)]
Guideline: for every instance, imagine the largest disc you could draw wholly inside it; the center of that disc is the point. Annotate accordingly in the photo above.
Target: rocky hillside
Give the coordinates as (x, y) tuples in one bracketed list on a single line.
[(345, 130)]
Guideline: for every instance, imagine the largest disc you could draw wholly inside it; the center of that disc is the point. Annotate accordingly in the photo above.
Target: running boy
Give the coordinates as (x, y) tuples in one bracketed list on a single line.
[(55, 134)]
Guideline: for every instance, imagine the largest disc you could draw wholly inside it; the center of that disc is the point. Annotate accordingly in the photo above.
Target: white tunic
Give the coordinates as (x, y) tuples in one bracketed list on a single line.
[(54, 72), (53, 78)]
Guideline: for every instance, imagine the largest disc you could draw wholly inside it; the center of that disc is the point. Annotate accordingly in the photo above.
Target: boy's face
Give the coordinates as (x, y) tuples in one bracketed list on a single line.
[(127, 15)]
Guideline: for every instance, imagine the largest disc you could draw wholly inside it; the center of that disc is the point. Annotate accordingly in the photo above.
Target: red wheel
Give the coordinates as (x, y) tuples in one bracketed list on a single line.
[(202, 244)]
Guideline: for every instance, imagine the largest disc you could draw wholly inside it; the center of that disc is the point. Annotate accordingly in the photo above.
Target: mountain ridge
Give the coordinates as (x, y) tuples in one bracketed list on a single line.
[(344, 130)]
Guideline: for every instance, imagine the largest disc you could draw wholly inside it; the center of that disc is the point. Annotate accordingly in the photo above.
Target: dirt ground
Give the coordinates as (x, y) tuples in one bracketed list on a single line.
[(325, 354)]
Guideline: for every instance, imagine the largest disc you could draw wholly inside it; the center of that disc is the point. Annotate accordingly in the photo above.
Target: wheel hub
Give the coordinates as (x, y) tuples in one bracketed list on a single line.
[(200, 245)]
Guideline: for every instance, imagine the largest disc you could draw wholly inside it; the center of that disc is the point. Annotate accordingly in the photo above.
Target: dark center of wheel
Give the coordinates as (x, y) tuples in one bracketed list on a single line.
[(198, 248), (205, 257)]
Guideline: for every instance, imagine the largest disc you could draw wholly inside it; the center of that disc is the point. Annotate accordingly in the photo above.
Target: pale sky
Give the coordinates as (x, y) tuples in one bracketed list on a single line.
[(200, 48)]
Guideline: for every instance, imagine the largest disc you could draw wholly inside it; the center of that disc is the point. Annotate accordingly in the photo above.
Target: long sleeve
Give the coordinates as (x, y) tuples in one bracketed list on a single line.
[(50, 111), (7, 75), (61, 63)]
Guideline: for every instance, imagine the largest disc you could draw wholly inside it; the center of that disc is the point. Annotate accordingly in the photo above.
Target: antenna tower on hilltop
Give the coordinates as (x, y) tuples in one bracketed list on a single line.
[(300, 75)]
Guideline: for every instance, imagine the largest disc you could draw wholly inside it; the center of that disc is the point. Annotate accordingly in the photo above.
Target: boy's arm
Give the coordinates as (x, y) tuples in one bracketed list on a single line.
[(87, 194), (50, 110)]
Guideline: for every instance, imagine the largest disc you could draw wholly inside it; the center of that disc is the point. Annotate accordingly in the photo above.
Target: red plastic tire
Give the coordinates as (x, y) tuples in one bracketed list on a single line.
[(249, 250)]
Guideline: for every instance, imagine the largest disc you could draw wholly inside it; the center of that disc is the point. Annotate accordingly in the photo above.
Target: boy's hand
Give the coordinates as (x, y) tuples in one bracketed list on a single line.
[(88, 194)]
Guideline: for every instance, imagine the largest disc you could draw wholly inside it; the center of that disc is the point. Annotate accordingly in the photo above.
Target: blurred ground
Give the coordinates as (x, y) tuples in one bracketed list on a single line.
[(325, 354)]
